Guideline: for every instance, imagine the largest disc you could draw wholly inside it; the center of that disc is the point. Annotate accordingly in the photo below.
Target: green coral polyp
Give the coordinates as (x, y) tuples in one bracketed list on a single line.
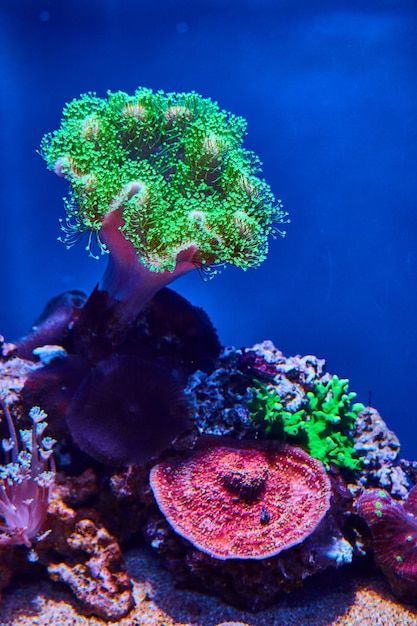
[(174, 165), (323, 425)]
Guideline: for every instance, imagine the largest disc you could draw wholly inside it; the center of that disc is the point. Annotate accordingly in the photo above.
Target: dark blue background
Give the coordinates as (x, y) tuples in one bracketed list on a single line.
[(329, 91)]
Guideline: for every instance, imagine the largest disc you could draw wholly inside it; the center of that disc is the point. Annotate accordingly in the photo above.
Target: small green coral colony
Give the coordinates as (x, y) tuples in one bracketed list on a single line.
[(174, 165), (323, 425)]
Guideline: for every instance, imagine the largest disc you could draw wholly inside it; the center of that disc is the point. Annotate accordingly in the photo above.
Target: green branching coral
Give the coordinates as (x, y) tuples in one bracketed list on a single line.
[(323, 425), (173, 169)]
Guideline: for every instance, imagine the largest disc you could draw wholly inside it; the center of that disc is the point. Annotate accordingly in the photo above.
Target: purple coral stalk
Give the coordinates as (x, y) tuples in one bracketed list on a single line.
[(26, 480)]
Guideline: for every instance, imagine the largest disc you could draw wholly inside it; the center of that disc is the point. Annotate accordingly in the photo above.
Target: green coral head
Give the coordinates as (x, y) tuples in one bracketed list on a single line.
[(173, 165), (324, 424)]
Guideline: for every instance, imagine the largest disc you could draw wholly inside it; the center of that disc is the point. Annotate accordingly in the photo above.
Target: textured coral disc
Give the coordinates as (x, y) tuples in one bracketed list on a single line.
[(126, 411), (243, 502), (394, 531)]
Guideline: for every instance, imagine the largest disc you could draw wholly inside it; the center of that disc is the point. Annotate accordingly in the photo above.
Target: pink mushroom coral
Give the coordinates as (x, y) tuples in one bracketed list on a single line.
[(242, 502)]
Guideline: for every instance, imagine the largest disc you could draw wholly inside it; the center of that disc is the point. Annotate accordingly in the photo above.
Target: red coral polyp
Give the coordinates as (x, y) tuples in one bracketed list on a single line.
[(242, 502)]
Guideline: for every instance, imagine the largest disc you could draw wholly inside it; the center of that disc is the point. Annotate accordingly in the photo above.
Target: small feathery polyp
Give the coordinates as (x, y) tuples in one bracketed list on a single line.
[(26, 481)]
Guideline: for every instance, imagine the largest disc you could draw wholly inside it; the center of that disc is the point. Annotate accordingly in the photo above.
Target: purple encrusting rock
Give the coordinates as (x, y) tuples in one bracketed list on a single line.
[(219, 398), (300, 369), (249, 584), (379, 448)]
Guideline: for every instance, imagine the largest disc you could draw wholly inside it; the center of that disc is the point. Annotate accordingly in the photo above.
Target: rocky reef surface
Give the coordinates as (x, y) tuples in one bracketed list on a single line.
[(247, 472)]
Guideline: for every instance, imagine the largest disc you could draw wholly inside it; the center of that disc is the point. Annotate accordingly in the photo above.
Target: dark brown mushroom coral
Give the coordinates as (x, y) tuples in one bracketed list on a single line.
[(54, 325), (126, 411)]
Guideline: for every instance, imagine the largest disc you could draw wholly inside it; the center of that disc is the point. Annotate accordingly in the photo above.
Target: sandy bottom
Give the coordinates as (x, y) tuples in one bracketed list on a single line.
[(337, 600)]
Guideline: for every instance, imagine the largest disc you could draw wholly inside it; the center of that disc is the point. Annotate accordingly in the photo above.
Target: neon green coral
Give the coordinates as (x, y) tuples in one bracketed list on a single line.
[(323, 425), (174, 164)]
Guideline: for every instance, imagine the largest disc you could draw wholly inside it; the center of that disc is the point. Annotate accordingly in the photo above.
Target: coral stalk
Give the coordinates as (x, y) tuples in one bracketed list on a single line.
[(126, 279)]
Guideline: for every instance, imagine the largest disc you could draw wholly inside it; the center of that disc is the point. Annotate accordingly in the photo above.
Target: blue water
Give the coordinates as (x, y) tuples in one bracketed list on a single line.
[(329, 90)]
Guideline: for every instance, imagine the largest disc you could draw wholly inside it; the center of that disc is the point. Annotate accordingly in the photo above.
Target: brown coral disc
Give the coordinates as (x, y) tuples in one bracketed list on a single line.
[(243, 502), (54, 324), (52, 388), (126, 411), (171, 315)]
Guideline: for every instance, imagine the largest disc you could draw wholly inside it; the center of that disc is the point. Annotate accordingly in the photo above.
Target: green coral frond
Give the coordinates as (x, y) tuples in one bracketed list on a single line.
[(197, 184), (323, 425)]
